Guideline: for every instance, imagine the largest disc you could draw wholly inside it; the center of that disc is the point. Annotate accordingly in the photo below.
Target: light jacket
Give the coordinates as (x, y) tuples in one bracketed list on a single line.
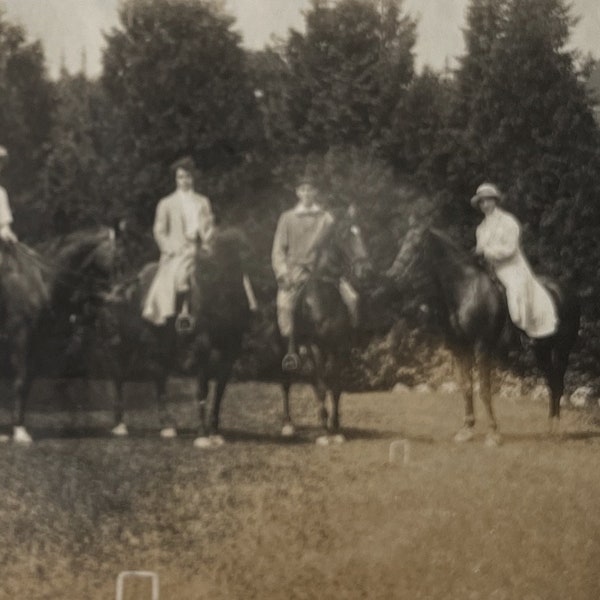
[(530, 305), (298, 233), (6, 217), (171, 224)]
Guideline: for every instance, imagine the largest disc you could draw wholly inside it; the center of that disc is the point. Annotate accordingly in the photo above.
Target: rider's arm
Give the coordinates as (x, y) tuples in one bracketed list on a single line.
[(279, 251), (6, 218), (506, 242), (161, 228)]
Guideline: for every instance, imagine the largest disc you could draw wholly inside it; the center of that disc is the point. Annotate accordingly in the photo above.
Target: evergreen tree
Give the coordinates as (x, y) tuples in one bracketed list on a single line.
[(347, 72), (179, 77), (26, 107)]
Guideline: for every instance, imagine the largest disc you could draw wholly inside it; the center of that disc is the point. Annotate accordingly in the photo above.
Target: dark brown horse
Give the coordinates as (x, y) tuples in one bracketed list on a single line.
[(136, 350), (48, 297), (473, 311), (322, 321)]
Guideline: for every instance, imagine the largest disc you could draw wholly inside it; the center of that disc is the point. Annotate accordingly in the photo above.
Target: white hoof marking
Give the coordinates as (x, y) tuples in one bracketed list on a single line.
[(168, 433), (120, 430), (338, 439), (322, 440), (21, 436), (493, 440), (288, 430), (202, 443), (216, 441), (464, 435)]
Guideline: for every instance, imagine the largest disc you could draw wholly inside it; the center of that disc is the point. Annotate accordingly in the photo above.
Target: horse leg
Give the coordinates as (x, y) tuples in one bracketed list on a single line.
[(336, 392), (202, 396), (224, 369), (320, 388), (485, 389), (119, 429), (465, 370), (553, 364), (288, 429), (21, 386), (210, 436), (167, 423)]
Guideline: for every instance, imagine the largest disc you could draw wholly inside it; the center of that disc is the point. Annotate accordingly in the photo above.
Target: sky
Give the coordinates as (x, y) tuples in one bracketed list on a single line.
[(70, 29)]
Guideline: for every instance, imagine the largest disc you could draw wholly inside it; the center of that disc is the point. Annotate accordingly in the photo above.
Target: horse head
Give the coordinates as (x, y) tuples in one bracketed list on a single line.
[(411, 255), (79, 269), (342, 250)]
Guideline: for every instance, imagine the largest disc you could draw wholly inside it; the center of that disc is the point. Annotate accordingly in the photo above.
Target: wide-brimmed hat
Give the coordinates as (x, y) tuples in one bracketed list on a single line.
[(485, 190)]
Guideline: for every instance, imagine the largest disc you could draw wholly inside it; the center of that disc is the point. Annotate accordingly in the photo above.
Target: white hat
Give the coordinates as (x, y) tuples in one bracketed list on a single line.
[(485, 190)]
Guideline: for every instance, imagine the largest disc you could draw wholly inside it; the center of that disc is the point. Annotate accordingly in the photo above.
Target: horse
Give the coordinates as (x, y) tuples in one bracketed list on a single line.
[(474, 316), (323, 323), (48, 299), (133, 349)]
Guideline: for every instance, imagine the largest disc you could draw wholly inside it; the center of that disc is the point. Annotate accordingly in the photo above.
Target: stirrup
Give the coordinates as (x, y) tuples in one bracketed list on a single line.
[(184, 323), (290, 363)]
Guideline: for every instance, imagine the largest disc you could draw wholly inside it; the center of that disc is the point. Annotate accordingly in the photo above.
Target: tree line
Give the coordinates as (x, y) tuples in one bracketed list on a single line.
[(342, 98)]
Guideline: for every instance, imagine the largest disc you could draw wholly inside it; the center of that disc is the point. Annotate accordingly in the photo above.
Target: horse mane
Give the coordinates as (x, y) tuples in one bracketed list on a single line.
[(453, 251)]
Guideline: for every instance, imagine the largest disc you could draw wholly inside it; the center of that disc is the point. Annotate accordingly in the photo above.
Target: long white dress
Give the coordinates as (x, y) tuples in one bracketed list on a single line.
[(530, 305)]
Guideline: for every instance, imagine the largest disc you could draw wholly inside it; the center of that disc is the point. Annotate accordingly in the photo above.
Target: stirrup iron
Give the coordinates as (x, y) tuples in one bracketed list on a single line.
[(184, 323), (290, 363)]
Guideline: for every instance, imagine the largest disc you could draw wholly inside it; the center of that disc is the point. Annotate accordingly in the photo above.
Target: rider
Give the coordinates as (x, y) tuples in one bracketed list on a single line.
[(181, 219), (6, 233), (293, 255), (530, 306)]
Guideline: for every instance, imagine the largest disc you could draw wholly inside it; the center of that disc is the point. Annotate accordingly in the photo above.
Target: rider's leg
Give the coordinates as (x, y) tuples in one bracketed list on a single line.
[(350, 297)]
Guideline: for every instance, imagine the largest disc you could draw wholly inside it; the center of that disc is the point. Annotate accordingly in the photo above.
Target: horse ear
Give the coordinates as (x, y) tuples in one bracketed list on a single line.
[(120, 226)]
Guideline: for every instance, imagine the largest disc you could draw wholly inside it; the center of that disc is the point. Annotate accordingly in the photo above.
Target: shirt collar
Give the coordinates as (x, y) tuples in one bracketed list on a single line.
[(302, 210)]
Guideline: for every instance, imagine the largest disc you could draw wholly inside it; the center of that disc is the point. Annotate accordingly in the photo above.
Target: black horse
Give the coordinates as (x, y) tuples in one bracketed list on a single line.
[(135, 350), (48, 297), (474, 315), (322, 321)]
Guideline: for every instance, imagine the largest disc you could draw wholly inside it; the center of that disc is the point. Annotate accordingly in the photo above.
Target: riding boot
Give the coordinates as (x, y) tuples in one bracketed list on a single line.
[(184, 321)]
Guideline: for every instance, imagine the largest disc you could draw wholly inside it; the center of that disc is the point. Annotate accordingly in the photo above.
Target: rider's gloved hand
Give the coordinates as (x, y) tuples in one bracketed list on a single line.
[(7, 235)]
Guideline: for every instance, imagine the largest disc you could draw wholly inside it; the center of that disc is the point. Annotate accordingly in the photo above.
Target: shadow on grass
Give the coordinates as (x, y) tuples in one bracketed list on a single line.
[(545, 436)]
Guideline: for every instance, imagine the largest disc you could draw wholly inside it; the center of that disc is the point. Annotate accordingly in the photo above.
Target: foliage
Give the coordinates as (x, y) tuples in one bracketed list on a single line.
[(178, 74), (347, 72), (27, 103)]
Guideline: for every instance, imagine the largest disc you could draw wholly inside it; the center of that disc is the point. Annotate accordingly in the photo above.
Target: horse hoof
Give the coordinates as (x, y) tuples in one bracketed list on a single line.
[(493, 440), (288, 430), (203, 443), (120, 430), (322, 440), (338, 439), (168, 433), (216, 441), (4, 438), (21, 436), (464, 435)]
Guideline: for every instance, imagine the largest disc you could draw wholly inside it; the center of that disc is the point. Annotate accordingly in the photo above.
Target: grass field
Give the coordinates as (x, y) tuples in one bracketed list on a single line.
[(263, 518)]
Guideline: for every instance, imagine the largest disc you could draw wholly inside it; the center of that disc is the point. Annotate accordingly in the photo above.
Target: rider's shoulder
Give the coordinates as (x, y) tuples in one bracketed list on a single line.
[(508, 217)]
